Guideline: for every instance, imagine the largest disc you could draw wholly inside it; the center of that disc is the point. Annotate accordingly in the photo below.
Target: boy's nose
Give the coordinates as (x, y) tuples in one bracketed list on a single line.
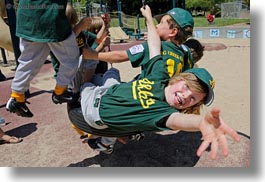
[(186, 95)]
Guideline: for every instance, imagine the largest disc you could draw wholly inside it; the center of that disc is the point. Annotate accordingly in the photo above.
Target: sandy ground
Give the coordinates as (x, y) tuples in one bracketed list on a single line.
[(49, 140)]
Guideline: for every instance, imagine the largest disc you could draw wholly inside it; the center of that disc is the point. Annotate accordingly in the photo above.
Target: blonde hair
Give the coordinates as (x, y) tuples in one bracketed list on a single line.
[(71, 14), (195, 85), (96, 24)]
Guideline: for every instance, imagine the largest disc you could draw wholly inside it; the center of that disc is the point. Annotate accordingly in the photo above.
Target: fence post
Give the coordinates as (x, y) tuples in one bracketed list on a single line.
[(11, 15)]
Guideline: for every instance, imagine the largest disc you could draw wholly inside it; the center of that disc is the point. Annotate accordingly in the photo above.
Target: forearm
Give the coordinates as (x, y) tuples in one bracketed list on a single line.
[(185, 122), (110, 57), (100, 47), (113, 56), (101, 31), (153, 39), (77, 29)]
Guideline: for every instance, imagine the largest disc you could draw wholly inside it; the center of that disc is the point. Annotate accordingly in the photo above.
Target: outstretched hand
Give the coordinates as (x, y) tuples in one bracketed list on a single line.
[(213, 130)]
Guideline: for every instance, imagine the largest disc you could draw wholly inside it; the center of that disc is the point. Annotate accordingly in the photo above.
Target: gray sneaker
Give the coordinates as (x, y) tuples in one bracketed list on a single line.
[(97, 145), (2, 122)]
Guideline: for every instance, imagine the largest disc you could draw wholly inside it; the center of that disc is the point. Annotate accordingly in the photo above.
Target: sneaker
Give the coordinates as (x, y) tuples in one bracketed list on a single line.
[(97, 145), (19, 108), (66, 97), (2, 122), (137, 137)]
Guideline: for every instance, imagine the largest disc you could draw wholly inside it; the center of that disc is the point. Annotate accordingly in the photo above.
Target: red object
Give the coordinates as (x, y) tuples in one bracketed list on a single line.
[(210, 18)]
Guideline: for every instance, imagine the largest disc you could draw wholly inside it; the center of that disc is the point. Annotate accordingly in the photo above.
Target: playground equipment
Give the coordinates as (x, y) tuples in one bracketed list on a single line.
[(118, 35), (5, 37), (7, 10), (121, 30)]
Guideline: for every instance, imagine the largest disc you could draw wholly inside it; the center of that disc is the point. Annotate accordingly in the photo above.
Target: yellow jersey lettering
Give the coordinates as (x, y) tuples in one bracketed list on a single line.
[(80, 42), (170, 67), (147, 103), (179, 68), (143, 92)]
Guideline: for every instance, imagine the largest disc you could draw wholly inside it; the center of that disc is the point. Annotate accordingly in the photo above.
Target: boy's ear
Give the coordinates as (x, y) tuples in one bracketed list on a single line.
[(174, 32)]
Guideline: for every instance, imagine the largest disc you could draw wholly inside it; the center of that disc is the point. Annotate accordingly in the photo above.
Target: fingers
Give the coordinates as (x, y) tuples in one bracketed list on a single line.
[(224, 145), (231, 132), (222, 141), (204, 145), (218, 123), (214, 149)]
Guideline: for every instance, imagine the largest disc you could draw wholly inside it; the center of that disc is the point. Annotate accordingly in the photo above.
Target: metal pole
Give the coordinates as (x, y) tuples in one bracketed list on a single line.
[(101, 9), (3, 55), (11, 15), (119, 13), (138, 24), (174, 3), (183, 4), (87, 8)]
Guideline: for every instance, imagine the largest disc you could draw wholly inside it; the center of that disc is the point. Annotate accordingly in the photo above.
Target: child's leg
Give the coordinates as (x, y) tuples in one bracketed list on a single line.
[(33, 56), (81, 133), (84, 74), (88, 68), (67, 53), (111, 73), (77, 81)]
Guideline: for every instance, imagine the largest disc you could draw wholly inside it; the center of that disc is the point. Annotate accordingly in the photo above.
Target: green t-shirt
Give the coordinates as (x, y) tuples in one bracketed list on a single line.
[(42, 20), (173, 57), (188, 60), (86, 37), (136, 106)]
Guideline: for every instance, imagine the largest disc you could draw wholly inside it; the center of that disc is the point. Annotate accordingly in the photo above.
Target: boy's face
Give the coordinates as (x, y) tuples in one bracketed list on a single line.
[(180, 96), (163, 30)]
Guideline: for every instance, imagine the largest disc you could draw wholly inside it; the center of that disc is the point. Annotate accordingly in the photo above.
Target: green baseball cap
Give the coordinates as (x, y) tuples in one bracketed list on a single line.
[(203, 75), (181, 16)]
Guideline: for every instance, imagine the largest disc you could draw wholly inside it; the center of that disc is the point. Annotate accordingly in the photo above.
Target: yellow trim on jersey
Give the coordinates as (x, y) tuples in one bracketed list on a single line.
[(134, 90), (170, 67)]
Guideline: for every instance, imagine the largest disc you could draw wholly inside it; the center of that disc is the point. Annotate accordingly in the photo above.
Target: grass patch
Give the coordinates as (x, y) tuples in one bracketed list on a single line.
[(198, 21)]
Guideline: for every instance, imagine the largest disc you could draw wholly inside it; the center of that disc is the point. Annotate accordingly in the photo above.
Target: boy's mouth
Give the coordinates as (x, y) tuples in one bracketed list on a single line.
[(179, 100)]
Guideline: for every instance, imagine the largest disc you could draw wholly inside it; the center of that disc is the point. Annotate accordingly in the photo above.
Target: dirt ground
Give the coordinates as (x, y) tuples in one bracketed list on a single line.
[(49, 140)]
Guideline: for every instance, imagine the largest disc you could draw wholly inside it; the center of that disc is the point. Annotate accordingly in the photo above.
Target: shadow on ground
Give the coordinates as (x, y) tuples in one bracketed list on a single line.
[(21, 131), (155, 150)]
